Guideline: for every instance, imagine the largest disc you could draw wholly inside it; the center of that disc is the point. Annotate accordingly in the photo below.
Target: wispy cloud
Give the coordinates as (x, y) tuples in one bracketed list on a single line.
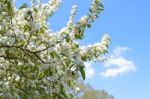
[(89, 70), (117, 64)]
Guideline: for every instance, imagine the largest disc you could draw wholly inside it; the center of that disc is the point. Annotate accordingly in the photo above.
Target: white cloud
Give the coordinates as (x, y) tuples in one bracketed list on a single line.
[(117, 64), (90, 72)]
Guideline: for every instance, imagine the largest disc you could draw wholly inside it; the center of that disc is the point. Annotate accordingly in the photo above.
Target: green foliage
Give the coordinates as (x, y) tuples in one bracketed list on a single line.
[(24, 5), (87, 92), (82, 71)]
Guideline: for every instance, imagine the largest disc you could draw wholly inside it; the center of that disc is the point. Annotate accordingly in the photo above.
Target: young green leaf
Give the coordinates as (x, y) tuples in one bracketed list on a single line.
[(24, 5), (82, 71)]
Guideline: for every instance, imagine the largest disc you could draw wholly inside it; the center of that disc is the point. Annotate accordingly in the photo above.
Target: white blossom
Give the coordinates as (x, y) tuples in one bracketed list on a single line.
[(84, 20)]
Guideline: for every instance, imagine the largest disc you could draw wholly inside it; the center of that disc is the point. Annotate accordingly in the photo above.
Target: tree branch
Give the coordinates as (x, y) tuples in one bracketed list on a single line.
[(25, 50), (52, 45)]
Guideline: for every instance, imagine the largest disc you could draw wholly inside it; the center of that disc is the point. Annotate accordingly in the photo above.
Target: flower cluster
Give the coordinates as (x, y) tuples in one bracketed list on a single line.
[(92, 52), (36, 62)]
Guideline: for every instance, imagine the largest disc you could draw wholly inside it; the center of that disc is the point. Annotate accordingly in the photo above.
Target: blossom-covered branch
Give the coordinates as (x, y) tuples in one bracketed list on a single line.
[(38, 63)]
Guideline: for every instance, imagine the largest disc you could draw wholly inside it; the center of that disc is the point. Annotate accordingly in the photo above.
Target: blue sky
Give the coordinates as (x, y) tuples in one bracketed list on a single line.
[(127, 22)]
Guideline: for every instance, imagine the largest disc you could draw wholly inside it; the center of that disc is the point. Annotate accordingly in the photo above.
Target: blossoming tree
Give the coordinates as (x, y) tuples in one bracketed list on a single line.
[(37, 63)]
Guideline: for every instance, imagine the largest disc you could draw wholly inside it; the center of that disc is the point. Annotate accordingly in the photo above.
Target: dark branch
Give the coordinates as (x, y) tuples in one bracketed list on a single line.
[(52, 45), (25, 50)]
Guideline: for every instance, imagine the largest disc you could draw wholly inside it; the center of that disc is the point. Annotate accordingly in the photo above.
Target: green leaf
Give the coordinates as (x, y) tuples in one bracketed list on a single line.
[(53, 54), (62, 89), (69, 83), (24, 5), (35, 10), (83, 58), (101, 7), (76, 45), (68, 39), (89, 25), (90, 10), (9, 6), (27, 28), (40, 75), (82, 71), (68, 62)]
